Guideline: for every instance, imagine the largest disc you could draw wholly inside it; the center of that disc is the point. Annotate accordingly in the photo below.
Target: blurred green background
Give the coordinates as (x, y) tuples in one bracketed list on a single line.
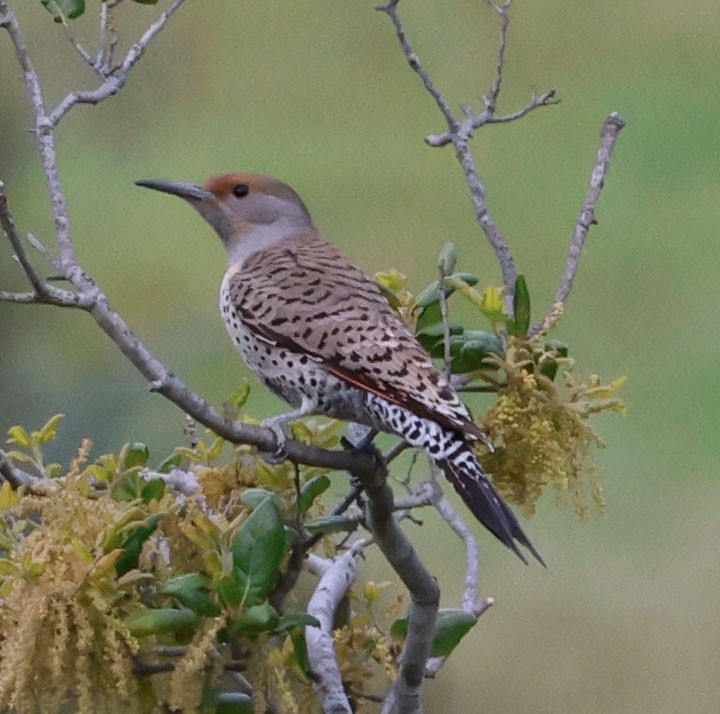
[(625, 620)]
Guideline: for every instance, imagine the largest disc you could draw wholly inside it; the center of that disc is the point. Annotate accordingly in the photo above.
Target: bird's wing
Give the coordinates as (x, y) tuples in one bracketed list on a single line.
[(304, 295)]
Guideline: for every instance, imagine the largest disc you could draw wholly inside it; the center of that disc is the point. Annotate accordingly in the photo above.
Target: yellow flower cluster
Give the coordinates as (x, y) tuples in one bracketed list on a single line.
[(541, 433)]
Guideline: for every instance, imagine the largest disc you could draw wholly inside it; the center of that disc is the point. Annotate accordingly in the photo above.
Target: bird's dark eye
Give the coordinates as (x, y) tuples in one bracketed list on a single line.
[(241, 190)]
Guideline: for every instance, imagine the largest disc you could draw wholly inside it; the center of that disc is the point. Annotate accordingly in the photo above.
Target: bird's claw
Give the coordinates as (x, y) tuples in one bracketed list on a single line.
[(280, 454)]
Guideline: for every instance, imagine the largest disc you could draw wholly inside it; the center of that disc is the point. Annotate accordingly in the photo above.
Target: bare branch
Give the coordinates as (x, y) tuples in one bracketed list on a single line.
[(444, 313), (491, 98), (472, 551), (116, 81), (423, 588), (414, 61), (612, 127), (13, 475), (460, 133), (544, 100), (337, 576)]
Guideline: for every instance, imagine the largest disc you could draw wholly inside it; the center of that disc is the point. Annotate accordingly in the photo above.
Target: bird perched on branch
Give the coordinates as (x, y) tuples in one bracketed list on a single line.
[(322, 336)]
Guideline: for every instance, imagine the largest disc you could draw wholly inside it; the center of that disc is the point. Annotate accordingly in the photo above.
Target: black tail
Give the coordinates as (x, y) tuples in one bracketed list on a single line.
[(466, 476)]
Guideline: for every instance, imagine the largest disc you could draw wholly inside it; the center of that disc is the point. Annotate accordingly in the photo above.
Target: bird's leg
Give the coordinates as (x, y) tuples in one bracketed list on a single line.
[(277, 424)]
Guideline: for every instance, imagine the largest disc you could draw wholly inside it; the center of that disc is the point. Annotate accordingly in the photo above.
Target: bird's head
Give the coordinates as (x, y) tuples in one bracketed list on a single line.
[(243, 207)]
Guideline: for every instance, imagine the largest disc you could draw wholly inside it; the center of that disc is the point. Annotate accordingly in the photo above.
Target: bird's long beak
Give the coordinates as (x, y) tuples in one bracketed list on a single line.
[(190, 191)]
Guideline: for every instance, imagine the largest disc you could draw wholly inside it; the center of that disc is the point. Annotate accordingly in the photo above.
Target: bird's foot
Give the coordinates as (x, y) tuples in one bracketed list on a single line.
[(281, 438)]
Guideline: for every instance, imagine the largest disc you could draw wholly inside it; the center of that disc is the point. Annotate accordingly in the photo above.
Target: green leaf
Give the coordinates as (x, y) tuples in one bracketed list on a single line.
[(296, 619), (430, 295), (311, 490), (194, 592), (258, 551), (154, 489), (169, 463), (146, 2), (448, 258), (126, 488), (297, 637), (430, 315), (62, 9), (254, 497), (519, 326), (432, 336), (548, 365), (136, 454), (237, 400), (19, 436), (451, 626), (48, 432), (132, 545), (331, 524), (254, 620), (234, 702), (389, 295), (228, 590), (154, 622), (468, 350)]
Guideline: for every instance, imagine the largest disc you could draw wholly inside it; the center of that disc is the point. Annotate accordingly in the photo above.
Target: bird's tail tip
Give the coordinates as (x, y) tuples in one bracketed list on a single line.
[(480, 496)]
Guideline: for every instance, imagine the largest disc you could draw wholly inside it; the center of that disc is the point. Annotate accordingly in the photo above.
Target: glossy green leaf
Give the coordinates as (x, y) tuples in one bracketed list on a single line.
[(256, 619), (169, 463), (430, 315), (163, 620), (331, 524), (519, 326), (430, 295), (154, 489), (448, 258), (258, 551), (469, 350), (296, 619), (228, 590), (127, 487), (389, 295), (133, 543), (61, 9), (253, 497), (297, 637), (194, 592), (234, 702), (548, 366), (311, 490), (48, 432), (432, 336), (451, 627), (136, 454)]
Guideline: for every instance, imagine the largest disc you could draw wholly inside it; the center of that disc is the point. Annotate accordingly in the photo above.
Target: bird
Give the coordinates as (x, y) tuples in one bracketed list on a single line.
[(322, 336)]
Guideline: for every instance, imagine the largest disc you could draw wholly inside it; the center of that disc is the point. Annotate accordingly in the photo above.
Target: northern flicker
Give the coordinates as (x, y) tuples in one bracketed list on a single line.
[(322, 336)]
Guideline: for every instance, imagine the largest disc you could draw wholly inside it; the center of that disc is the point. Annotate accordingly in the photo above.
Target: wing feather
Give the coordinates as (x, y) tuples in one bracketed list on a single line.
[(304, 295)]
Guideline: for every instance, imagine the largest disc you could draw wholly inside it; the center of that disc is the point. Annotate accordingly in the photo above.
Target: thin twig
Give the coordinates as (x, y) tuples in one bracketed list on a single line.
[(460, 134), (445, 314), (544, 100), (611, 129), (114, 83), (491, 98)]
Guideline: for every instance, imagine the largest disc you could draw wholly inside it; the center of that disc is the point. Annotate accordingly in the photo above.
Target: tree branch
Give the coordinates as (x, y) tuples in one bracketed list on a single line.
[(114, 83), (544, 100), (611, 129), (92, 299), (337, 576), (459, 134), (423, 588)]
